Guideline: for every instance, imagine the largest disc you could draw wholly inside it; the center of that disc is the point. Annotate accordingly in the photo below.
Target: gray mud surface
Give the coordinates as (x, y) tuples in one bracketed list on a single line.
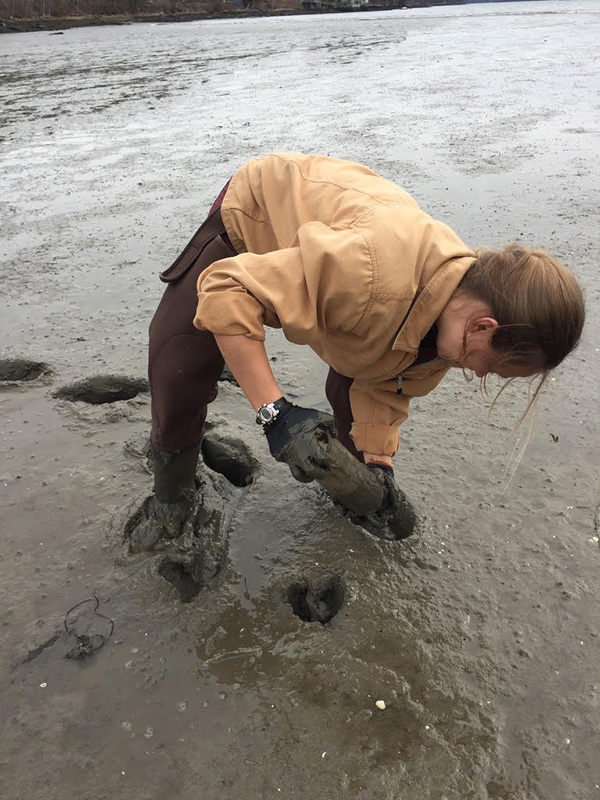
[(479, 634)]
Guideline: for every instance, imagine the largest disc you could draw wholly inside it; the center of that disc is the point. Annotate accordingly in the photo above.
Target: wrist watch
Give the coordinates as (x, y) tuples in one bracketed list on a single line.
[(268, 412)]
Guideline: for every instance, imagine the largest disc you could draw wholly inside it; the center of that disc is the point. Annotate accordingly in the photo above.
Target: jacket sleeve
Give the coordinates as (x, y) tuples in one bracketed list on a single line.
[(321, 283), (378, 410)]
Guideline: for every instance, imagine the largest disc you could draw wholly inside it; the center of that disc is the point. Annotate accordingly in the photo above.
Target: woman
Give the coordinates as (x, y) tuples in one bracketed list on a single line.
[(347, 263)]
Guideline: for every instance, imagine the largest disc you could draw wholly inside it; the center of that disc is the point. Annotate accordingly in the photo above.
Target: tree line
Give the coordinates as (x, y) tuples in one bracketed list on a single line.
[(48, 9), (34, 9)]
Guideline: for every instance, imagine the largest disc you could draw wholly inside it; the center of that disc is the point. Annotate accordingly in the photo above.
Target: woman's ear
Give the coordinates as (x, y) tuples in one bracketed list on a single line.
[(482, 324)]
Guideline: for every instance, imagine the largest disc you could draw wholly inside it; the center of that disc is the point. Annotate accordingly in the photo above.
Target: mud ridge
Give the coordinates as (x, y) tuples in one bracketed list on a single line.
[(103, 389), (21, 370)]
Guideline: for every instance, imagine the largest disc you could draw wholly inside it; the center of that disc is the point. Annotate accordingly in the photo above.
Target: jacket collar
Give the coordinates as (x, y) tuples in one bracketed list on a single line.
[(429, 303)]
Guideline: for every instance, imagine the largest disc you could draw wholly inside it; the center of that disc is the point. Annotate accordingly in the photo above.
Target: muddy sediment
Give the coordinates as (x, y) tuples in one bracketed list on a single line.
[(231, 458), (458, 664), (22, 370), (317, 599), (103, 389)]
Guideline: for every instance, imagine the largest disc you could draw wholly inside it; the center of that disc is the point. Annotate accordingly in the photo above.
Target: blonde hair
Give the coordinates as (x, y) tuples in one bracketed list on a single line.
[(540, 310), (536, 301)]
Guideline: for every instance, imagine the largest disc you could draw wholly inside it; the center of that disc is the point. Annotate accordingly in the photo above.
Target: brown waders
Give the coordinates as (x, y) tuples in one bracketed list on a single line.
[(184, 368)]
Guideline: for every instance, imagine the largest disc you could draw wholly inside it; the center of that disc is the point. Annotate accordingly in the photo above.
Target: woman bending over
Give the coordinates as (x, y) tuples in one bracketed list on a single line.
[(346, 263)]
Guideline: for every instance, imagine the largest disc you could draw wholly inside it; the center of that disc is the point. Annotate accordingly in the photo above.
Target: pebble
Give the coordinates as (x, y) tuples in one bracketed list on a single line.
[(380, 704)]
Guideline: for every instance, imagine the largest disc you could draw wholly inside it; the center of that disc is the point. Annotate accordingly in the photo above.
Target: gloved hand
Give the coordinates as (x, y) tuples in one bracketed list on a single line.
[(389, 504), (395, 519), (292, 422)]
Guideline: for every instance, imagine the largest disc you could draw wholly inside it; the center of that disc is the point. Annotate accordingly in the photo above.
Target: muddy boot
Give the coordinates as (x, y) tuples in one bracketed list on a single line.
[(163, 514)]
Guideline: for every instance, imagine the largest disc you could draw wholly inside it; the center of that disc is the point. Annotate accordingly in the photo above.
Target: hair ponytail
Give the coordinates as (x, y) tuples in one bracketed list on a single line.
[(537, 302)]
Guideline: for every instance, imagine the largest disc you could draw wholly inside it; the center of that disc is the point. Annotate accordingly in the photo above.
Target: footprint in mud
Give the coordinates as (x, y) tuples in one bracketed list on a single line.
[(318, 599), (229, 457), (177, 576), (20, 370), (103, 389)]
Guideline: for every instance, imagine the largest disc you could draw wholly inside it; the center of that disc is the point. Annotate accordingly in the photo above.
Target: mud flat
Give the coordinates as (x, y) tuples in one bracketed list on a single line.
[(460, 663)]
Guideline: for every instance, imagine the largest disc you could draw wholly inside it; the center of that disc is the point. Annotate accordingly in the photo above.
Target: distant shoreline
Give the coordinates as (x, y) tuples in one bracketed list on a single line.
[(55, 24)]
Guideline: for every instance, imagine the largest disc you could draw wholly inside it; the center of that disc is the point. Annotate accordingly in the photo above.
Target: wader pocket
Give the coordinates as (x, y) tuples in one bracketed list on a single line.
[(210, 232)]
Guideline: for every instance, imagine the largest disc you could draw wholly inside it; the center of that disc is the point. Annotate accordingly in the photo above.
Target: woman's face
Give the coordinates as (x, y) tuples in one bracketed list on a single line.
[(483, 361), (470, 345)]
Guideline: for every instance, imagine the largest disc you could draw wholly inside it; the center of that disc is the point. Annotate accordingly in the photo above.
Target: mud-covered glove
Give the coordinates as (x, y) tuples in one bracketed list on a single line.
[(389, 504), (289, 426), (395, 518)]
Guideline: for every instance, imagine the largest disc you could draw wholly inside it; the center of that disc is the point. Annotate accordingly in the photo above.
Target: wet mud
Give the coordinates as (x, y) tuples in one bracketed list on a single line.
[(102, 389), (21, 370), (317, 599), (229, 457), (457, 664)]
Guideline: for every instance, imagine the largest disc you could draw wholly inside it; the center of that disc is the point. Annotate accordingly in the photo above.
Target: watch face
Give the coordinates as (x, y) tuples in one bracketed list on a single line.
[(265, 415)]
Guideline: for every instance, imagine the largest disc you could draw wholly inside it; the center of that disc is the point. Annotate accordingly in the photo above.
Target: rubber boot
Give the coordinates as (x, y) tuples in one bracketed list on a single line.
[(164, 513), (174, 473)]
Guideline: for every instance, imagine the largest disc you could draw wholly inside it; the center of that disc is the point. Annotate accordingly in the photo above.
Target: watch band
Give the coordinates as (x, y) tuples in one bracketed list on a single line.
[(268, 412)]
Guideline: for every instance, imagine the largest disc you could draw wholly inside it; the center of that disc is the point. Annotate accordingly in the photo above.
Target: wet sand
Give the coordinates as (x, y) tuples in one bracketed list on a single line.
[(479, 633)]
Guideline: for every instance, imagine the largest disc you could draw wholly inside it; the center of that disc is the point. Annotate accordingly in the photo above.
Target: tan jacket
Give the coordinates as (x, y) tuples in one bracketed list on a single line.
[(343, 261)]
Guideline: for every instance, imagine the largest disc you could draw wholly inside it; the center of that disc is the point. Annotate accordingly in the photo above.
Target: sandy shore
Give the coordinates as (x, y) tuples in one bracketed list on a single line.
[(480, 633)]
